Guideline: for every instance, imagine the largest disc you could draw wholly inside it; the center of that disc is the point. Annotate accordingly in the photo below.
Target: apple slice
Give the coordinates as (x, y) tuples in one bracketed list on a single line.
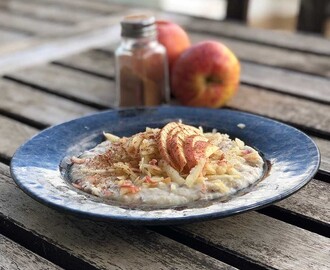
[(176, 142), (170, 141), (196, 148), (174, 146), (162, 139)]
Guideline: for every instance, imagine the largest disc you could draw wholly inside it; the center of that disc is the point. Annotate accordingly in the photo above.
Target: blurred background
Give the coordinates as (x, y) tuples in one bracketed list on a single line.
[(44, 25), (269, 14)]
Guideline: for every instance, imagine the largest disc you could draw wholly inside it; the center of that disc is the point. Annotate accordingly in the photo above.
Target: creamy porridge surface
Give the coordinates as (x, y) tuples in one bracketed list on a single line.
[(168, 167)]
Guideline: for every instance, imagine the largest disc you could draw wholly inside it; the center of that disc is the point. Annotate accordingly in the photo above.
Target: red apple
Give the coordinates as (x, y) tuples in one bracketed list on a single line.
[(173, 38), (206, 75)]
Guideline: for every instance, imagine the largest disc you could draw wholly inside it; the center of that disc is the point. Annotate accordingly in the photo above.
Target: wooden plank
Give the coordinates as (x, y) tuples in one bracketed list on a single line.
[(284, 108), (76, 39), (34, 26), (104, 246), (47, 12), (291, 82), (96, 6), (294, 41), (313, 87), (12, 135), (262, 54), (270, 242), (14, 256), (71, 83), (100, 62), (312, 201), (324, 146), (7, 36), (27, 103)]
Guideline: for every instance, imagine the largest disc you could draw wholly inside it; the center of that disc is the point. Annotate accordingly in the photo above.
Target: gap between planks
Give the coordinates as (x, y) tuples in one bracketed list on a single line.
[(14, 256)]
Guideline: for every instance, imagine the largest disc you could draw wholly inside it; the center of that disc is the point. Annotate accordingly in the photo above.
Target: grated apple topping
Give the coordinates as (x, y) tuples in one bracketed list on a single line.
[(168, 167)]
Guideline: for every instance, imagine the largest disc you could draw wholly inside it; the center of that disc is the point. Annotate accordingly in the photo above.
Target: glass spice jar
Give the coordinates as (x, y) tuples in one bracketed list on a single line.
[(141, 64)]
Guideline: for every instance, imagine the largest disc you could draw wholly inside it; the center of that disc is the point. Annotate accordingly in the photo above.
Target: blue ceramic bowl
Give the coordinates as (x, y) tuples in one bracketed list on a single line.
[(38, 166)]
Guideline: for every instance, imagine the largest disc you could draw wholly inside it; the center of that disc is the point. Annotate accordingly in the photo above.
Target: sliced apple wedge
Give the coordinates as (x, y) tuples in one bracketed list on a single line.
[(162, 139), (171, 140), (175, 144), (197, 147)]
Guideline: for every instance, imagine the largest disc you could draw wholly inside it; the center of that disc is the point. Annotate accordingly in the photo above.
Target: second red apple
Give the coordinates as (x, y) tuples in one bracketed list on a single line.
[(173, 38), (205, 75)]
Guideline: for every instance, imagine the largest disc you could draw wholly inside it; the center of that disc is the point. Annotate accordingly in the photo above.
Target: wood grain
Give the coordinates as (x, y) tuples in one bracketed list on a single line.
[(14, 256), (285, 108), (294, 41), (324, 146), (48, 12), (71, 83), (7, 36), (291, 82), (104, 246), (27, 103), (296, 83), (12, 135), (97, 61), (262, 54), (33, 26), (84, 86), (266, 240), (76, 39), (95, 6), (312, 201)]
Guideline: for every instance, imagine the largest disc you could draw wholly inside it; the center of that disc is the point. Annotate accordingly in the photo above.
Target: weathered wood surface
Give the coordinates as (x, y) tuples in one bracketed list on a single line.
[(12, 135), (324, 146), (81, 37), (312, 201), (296, 83), (268, 55), (99, 90), (285, 108), (31, 25), (7, 36), (110, 246), (98, 61), (72, 83), (313, 87), (15, 257), (253, 235), (95, 6), (294, 41), (53, 13), (262, 54), (266, 240), (27, 103)]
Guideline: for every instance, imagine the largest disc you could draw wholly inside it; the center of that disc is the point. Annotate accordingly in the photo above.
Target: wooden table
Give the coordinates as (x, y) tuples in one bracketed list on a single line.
[(284, 76)]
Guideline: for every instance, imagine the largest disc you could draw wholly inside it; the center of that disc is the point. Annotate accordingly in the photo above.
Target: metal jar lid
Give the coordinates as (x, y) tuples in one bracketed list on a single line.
[(137, 26)]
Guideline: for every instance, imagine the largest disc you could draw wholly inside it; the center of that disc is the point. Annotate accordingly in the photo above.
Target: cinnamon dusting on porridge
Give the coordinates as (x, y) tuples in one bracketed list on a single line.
[(170, 166)]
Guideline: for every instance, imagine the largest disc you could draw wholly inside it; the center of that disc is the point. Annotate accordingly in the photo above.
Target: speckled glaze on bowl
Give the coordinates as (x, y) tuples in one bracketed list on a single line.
[(36, 166)]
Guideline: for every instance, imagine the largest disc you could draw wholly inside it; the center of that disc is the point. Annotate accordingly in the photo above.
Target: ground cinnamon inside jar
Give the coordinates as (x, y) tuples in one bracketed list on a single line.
[(141, 64)]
